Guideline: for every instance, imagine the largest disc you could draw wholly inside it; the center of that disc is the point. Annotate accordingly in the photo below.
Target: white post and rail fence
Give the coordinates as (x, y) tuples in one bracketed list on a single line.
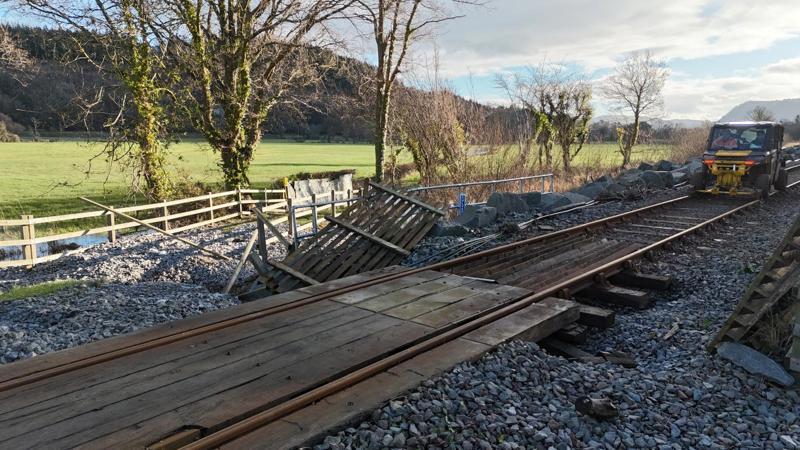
[(173, 216), (185, 214)]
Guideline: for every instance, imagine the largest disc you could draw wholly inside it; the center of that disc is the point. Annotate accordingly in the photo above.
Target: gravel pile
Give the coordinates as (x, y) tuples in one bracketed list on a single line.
[(678, 397), (151, 257), (85, 313)]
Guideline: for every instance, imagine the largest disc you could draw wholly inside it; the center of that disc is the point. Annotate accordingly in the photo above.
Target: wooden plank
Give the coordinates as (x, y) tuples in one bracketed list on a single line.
[(217, 402), (303, 427), (470, 306), (618, 296), (407, 198), (593, 316), (532, 323), (300, 276), (573, 333), (272, 228), (642, 280), (370, 236), (409, 294)]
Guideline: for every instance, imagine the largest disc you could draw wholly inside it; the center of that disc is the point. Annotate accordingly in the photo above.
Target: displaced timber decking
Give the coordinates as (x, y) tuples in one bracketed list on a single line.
[(779, 275), (209, 380), (377, 231)]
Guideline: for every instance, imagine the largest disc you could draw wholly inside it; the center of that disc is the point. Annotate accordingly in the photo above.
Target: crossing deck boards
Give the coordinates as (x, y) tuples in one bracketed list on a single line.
[(302, 427), (212, 379)]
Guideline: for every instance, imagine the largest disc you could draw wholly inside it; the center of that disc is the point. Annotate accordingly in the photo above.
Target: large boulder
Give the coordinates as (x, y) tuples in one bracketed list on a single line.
[(593, 190), (508, 202), (645, 166), (654, 180), (614, 190), (664, 165), (755, 362), (533, 199), (679, 176), (605, 179), (630, 178), (448, 229), (575, 197), (694, 166), (552, 200), (476, 216)]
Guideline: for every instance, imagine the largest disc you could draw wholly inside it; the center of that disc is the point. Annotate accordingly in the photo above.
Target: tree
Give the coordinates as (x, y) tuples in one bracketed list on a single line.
[(12, 57), (761, 114), (395, 24), (238, 59), (558, 104), (636, 87), (120, 38)]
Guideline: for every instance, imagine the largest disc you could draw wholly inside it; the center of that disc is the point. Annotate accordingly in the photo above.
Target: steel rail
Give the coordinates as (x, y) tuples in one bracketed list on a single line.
[(237, 320), (110, 355), (258, 420)]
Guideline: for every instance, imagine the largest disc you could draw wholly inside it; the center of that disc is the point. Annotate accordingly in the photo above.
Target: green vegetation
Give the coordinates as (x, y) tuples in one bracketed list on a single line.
[(36, 290), (46, 178)]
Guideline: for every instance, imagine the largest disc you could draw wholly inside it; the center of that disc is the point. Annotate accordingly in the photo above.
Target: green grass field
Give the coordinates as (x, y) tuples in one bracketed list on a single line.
[(46, 178)]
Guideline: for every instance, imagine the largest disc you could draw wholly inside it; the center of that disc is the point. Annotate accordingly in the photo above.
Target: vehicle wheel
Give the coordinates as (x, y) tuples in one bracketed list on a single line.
[(782, 180), (762, 185)]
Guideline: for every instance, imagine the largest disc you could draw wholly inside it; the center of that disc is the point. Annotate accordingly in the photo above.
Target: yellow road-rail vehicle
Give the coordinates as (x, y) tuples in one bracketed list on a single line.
[(743, 158)]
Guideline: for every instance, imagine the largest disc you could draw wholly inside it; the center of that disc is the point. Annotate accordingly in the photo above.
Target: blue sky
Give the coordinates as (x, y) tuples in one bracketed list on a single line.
[(721, 53)]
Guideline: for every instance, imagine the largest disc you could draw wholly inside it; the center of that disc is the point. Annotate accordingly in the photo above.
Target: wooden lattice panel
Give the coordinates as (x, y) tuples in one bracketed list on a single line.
[(375, 232), (779, 275)]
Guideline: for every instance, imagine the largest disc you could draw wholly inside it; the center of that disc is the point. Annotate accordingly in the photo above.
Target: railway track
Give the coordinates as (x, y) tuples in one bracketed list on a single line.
[(556, 264)]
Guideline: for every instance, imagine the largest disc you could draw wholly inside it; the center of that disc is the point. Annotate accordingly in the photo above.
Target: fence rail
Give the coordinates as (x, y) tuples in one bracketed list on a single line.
[(202, 210)]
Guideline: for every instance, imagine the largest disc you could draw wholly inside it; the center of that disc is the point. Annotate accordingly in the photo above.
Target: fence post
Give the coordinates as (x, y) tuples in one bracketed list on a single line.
[(112, 222), (211, 205), (165, 223), (266, 199), (239, 200), (521, 186), (349, 196), (552, 182), (29, 233), (292, 222), (314, 213), (333, 202)]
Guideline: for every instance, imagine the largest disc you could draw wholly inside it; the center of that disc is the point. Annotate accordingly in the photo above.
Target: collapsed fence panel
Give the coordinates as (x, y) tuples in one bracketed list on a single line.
[(375, 232), (778, 276)]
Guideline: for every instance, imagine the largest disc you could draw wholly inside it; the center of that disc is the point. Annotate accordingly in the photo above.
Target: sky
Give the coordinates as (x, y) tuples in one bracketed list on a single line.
[(720, 53)]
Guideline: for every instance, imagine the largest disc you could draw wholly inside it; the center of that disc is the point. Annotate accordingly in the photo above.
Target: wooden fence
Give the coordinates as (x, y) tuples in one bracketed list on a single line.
[(173, 216)]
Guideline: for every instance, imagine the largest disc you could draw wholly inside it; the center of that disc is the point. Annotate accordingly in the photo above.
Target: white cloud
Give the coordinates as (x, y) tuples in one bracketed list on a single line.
[(712, 97), (593, 33)]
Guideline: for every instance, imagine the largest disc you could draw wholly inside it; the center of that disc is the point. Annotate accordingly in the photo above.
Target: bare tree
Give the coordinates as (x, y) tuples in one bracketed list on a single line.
[(761, 114), (238, 59), (120, 38), (558, 104), (12, 57), (396, 25), (636, 87)]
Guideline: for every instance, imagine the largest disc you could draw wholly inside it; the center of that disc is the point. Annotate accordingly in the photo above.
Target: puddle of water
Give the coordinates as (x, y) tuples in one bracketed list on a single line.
[(48, 248)]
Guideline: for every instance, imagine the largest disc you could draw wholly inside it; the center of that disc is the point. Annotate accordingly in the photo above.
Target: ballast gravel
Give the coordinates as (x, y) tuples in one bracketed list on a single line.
[(84, 313), (136, 282), (151, 257), (678, 397)]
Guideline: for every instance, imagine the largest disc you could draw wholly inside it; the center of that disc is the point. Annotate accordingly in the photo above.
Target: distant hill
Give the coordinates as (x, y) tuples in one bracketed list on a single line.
[(784, 110), (657, 123)]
